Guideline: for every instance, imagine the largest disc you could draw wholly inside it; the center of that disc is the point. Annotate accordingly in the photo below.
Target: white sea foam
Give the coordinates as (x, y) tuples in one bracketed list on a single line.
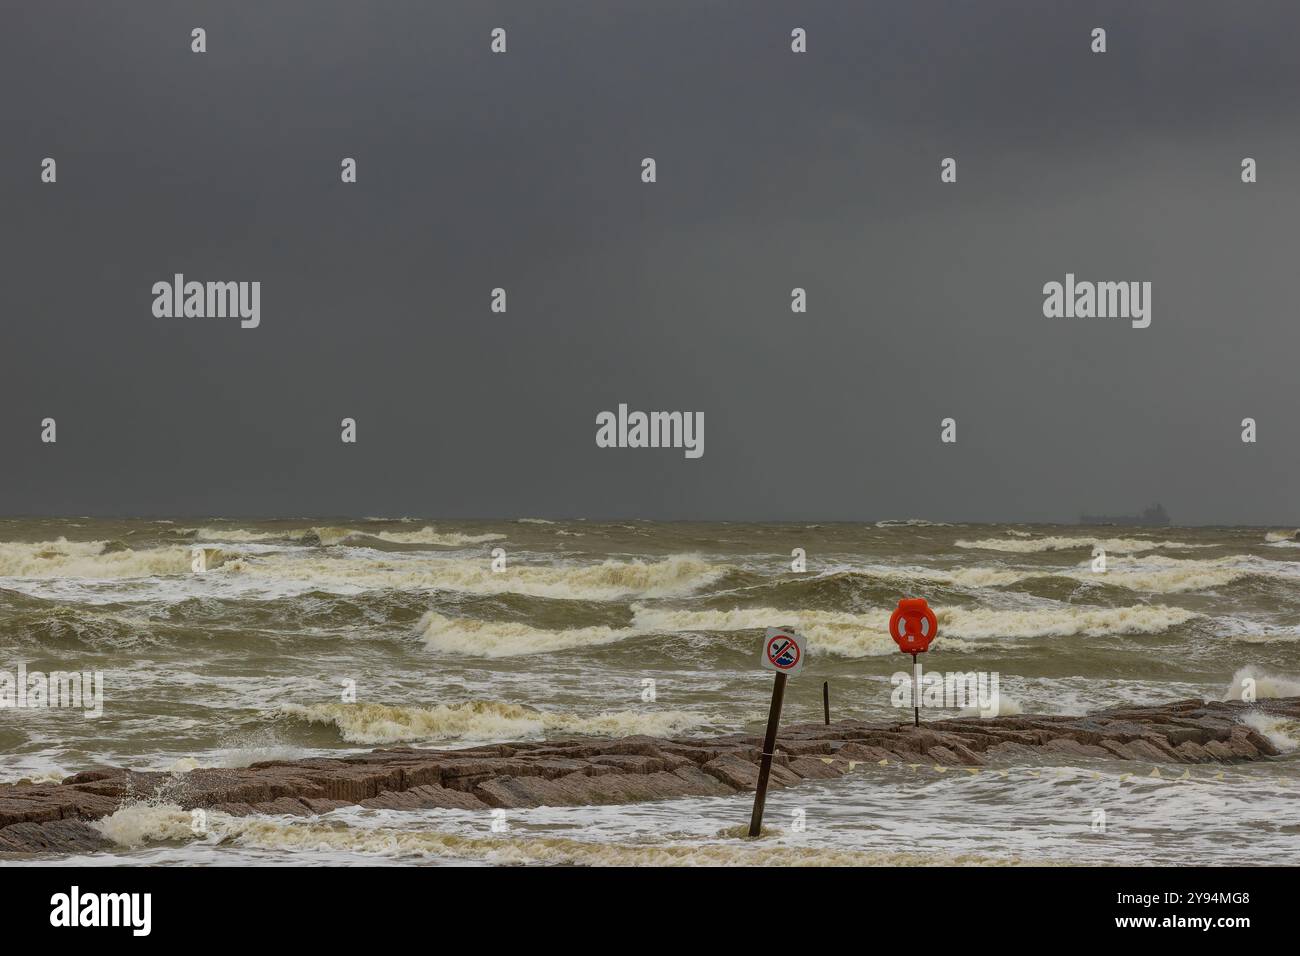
[(139, 825), (1283, 733), (53, 775), (1257, 632), (1005, 707), (142, 822)]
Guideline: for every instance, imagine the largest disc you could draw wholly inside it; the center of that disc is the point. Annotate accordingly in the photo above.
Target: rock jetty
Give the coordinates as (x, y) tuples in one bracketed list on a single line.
[(44, 818)]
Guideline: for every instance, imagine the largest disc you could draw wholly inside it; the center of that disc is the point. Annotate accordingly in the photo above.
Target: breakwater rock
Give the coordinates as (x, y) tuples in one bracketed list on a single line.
[(42, 818)]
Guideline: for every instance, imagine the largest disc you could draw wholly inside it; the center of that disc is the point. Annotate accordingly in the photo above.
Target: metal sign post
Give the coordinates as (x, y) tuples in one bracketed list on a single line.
[(784, 652)]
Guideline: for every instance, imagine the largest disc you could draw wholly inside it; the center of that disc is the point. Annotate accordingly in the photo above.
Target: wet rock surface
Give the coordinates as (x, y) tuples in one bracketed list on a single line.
[(43, 818)]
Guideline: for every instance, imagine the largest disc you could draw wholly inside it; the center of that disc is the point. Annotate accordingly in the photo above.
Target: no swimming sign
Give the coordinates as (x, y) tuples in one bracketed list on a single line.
[(783, 651)]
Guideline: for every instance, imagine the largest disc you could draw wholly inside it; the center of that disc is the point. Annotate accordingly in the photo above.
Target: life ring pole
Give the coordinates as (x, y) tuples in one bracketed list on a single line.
[(916, 691)]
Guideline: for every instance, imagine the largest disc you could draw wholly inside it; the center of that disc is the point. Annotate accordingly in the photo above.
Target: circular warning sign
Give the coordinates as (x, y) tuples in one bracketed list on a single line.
[(783, 651), (913, 625)]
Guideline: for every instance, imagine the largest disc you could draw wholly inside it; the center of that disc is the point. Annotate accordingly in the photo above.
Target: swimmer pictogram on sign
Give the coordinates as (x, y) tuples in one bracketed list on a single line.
[(783, 651)]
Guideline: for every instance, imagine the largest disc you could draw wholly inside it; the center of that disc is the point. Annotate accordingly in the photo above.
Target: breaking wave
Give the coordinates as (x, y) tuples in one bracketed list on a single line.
[(336, 535), (426, 535), (911, 523), (483, 720), (239, 534), (88, 559), (675, 576), (1066, 543), (473, 637), (1163, 575)]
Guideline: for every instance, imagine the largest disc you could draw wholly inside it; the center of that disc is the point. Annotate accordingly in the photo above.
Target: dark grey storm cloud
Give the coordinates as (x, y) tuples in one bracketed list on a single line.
[(775, 170)]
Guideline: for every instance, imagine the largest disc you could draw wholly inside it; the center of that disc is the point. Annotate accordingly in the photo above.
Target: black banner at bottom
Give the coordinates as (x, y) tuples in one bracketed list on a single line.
[(337, 905)]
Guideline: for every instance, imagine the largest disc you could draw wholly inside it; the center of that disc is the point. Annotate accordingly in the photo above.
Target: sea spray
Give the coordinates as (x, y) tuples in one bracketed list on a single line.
[(1252, 683)]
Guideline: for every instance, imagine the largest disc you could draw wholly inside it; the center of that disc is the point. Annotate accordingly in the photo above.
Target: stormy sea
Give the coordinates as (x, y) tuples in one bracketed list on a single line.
[(221, 643)]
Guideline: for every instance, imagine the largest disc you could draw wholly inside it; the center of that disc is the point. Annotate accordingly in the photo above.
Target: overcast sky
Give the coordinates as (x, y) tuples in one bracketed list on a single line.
[(775, 170)]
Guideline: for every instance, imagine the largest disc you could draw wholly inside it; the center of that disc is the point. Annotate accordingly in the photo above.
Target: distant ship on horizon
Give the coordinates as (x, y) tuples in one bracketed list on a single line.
[(1154, 516)]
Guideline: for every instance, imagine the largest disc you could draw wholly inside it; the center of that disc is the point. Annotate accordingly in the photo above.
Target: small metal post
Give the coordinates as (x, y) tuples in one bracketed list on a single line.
[(826, 701)]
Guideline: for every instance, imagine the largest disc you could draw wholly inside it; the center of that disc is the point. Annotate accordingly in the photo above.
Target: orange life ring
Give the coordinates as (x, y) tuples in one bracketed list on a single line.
[(913, 625)]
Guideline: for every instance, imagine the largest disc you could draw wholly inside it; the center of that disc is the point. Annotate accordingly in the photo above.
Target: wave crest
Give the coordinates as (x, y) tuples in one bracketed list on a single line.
[(475, 637), (1066, 543), (674, 576), (862, 635), (482, 720), (88, 559)]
